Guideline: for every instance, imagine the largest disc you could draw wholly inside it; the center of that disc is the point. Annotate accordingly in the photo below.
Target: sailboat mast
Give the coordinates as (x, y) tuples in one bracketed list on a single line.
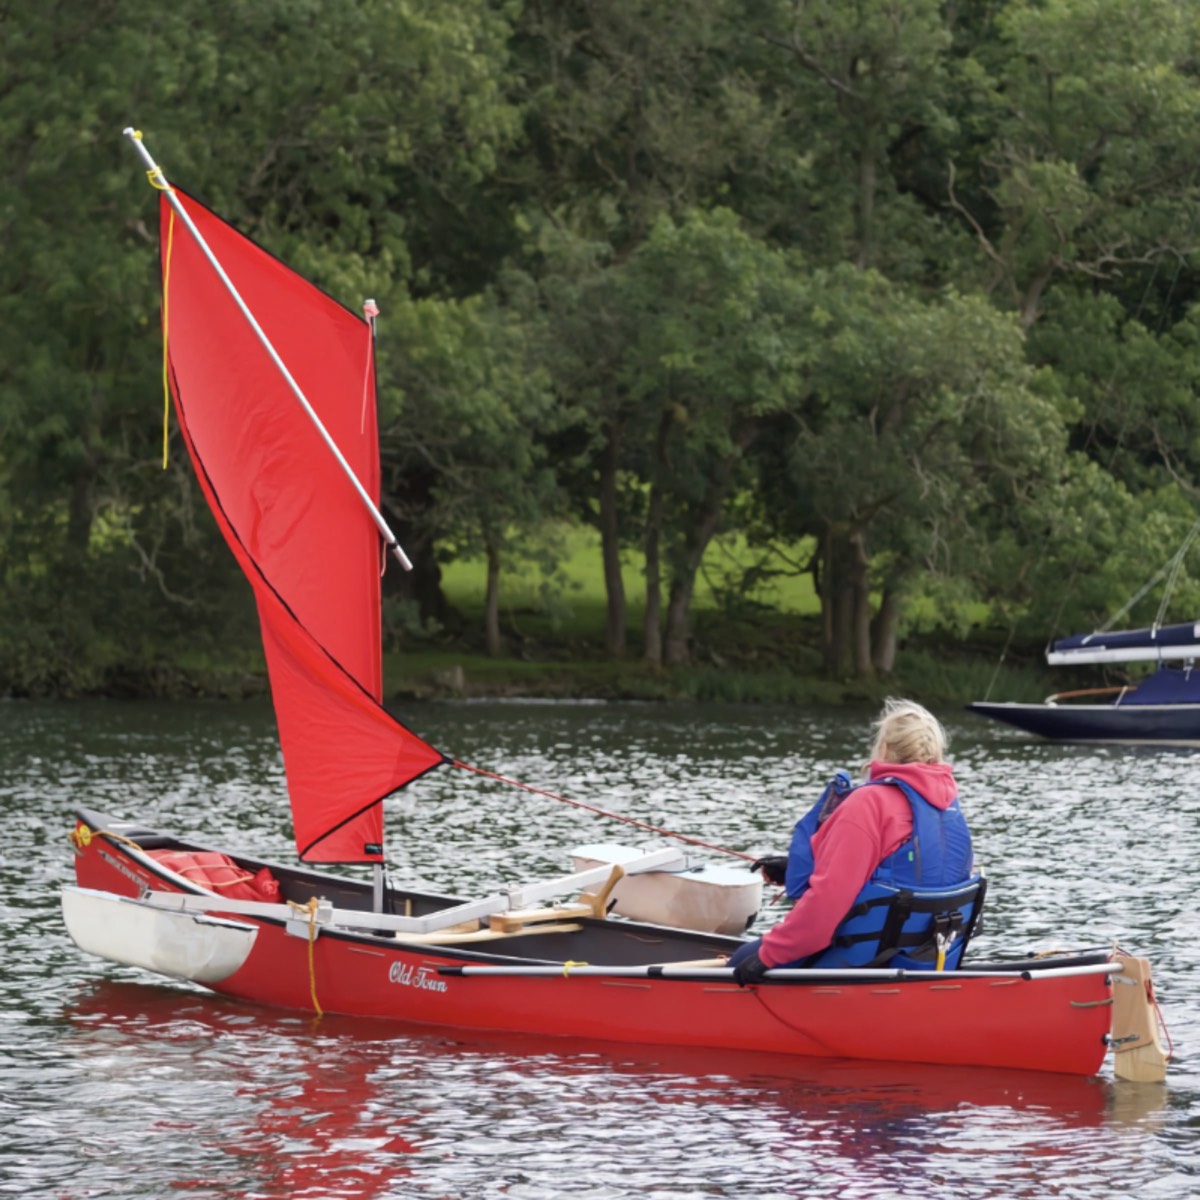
[(160, 181)]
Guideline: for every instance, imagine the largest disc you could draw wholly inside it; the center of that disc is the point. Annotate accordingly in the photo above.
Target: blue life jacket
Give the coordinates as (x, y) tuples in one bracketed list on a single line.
[(921, 903)]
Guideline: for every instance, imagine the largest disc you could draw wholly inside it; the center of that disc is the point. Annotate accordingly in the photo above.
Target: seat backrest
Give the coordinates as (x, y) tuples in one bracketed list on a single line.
[(917, 918)]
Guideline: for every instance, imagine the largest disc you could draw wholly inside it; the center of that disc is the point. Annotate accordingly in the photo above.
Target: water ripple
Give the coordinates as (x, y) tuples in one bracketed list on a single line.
[(115, 1086)]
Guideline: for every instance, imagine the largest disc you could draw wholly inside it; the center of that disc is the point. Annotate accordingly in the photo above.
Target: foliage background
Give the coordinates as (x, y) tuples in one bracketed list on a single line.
[(792, 349)]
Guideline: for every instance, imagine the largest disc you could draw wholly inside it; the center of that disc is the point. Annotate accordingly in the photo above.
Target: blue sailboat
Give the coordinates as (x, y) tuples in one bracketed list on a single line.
[(1162, 709)]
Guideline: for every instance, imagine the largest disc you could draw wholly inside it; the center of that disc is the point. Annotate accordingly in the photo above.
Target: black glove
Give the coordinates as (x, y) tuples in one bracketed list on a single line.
[(773, 866), (750, 970)]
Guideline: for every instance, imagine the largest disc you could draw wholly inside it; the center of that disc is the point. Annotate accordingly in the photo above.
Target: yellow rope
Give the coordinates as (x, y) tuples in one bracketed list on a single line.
[(311, 909), (166, 294), (81, 837), (154, 174), (568, 965)]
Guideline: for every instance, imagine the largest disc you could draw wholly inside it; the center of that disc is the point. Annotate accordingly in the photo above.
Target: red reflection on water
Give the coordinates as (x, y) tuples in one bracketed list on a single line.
[(321, 1129), (323, 1126), (896, 1089)]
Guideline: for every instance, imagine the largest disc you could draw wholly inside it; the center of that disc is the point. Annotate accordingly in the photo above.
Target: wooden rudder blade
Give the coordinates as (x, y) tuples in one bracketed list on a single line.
[(1138, 1050)]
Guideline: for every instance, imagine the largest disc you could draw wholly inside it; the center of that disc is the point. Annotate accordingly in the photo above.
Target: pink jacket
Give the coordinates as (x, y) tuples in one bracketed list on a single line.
[(862, 831)]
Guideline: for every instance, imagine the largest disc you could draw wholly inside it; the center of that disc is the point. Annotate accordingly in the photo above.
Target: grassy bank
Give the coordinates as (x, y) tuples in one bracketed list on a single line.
[(753, 646), (772, 658), (759, 645)]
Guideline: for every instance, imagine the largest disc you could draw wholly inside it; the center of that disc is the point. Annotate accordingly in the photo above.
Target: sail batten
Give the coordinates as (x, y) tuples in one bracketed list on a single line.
[(293, 518)]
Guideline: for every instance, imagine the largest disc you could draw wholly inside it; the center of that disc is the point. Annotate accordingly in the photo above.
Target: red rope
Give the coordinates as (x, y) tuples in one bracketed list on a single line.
[(1162, 1024), (1158, 1012), (370, 312), (602, 812)]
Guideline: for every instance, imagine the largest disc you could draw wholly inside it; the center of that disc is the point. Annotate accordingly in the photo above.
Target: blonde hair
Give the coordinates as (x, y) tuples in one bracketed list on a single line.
[(907, 733)]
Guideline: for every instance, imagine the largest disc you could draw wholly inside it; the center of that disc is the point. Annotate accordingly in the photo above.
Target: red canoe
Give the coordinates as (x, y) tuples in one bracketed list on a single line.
[(562, 971), (274, 391)]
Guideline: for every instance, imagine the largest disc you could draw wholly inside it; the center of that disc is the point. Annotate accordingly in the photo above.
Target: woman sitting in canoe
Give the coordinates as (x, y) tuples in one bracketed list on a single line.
[(882, 874)]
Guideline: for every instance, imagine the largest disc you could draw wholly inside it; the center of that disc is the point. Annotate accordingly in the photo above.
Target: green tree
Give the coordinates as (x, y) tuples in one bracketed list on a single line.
[(1086, 165), (632, 111), (468, 423), (326, 133), (715, 356), (867, 90), (924, 418)]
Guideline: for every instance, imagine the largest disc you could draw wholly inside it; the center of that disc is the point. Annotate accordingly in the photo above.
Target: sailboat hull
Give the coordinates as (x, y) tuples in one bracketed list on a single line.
[(1126, 724), (1030, 1016)]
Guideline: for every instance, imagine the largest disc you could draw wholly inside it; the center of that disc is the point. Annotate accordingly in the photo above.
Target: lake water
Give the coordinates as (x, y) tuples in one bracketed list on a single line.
[(113, 1084)]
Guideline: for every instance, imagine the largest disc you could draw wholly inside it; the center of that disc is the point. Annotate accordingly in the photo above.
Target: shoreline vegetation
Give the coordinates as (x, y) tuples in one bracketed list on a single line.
[(773, 660), (578, 681), (959, 677), (762, 646), (694, 306), (758, 648)]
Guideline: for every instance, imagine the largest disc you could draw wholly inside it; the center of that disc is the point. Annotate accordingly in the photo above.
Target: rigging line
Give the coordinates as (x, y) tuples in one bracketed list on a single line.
[(1153, 582), (1012, 629), (602, 812), (1062, 599), (1171, 567), (1176, 566), (1118, 443)]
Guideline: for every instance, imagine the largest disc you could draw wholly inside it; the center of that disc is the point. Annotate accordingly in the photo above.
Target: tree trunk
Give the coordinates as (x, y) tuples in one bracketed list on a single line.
[(843, 613), (679, 606), (652, 651), (883, 633), (860, 584), (825, 593), (423, 584), (708, 519), (408, 506), (491, 618), (652, 621), (837, 604), (610, 547), (845, 595)]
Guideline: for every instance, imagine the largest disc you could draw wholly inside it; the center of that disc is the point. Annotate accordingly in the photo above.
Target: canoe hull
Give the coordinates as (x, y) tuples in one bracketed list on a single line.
[(1057, 1024)]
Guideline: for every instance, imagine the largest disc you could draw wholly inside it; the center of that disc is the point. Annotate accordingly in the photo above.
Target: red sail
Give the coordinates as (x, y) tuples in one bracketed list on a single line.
[(299, 530)]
